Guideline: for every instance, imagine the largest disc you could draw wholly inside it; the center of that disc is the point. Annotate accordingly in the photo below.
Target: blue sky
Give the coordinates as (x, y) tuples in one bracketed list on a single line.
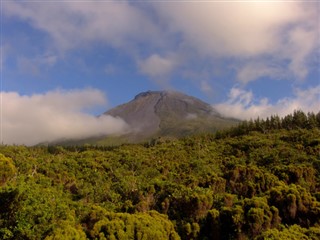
[(66, 61)]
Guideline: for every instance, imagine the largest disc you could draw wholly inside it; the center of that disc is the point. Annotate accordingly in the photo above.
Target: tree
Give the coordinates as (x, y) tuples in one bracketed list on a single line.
[(7, 169)]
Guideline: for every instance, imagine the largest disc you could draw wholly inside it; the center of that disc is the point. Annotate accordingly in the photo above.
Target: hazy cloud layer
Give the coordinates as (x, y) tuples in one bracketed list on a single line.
[(251, 71), (36, 65), (248, 31), (54, 115), (242, 105), (244, 32), (235, 28), (73, 24)]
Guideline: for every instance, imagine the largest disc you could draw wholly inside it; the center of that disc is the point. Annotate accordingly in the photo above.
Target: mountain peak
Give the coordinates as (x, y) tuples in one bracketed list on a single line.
[(147, 93), (159, 93), (152, 113)]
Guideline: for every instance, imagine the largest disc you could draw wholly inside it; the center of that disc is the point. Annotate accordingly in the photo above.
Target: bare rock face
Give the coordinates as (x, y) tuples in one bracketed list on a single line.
[(157, 111), (140, 112)]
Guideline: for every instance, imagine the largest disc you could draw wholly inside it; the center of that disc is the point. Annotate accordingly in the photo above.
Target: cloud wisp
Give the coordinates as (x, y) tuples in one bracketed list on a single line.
[(55, 115), (242, 105), (156, 66), (80, 23)]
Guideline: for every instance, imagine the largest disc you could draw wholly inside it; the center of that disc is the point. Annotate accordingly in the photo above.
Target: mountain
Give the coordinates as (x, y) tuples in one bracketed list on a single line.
[(168, 113), (164, 114)]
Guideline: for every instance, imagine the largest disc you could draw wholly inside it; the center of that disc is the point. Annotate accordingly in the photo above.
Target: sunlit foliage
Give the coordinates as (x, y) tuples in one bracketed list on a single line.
[(258, 181)]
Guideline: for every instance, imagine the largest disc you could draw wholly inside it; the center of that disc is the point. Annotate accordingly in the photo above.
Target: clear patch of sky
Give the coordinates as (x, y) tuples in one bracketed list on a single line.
[(272, 89), (26, 50), (22, 37)]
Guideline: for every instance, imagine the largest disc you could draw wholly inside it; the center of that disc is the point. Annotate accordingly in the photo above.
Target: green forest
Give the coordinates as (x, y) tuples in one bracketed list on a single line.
[(259, 180)]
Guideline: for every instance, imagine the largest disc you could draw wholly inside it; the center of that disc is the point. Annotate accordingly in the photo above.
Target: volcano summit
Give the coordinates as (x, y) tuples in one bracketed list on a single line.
[(168, 113)]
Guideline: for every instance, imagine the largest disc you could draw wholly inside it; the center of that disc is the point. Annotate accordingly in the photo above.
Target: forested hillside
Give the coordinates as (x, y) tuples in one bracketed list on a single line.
[(260, 180)]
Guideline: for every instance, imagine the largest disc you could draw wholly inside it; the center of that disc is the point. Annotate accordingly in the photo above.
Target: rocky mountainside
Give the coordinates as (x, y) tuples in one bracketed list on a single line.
[(168, 113)]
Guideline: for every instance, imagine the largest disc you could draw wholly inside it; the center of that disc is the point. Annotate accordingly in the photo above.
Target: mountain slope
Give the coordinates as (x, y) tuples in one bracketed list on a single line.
[(154, 114), (168, 113)]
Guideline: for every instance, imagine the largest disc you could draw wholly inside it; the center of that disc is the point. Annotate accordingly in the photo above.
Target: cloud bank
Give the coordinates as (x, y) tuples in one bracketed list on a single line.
[(54, 115), (241, 104), (249, 34)]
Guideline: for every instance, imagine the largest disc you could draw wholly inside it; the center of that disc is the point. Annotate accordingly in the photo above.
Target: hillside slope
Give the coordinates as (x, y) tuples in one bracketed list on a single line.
[(168, 113)]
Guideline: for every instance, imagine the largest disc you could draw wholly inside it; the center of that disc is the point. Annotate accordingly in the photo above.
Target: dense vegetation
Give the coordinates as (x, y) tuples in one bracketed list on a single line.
[(257, 181)]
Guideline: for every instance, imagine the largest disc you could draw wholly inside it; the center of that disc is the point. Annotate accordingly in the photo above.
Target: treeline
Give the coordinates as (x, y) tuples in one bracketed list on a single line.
[(297, 120), (259, 185)]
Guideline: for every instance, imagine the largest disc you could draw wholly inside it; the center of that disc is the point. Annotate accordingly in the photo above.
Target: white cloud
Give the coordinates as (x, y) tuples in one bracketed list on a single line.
[(251, 71), (156, 66), (54, 115), (303, 41), (73, 24), (272, 31), (234, 29), (260, 38), (242, 105)]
